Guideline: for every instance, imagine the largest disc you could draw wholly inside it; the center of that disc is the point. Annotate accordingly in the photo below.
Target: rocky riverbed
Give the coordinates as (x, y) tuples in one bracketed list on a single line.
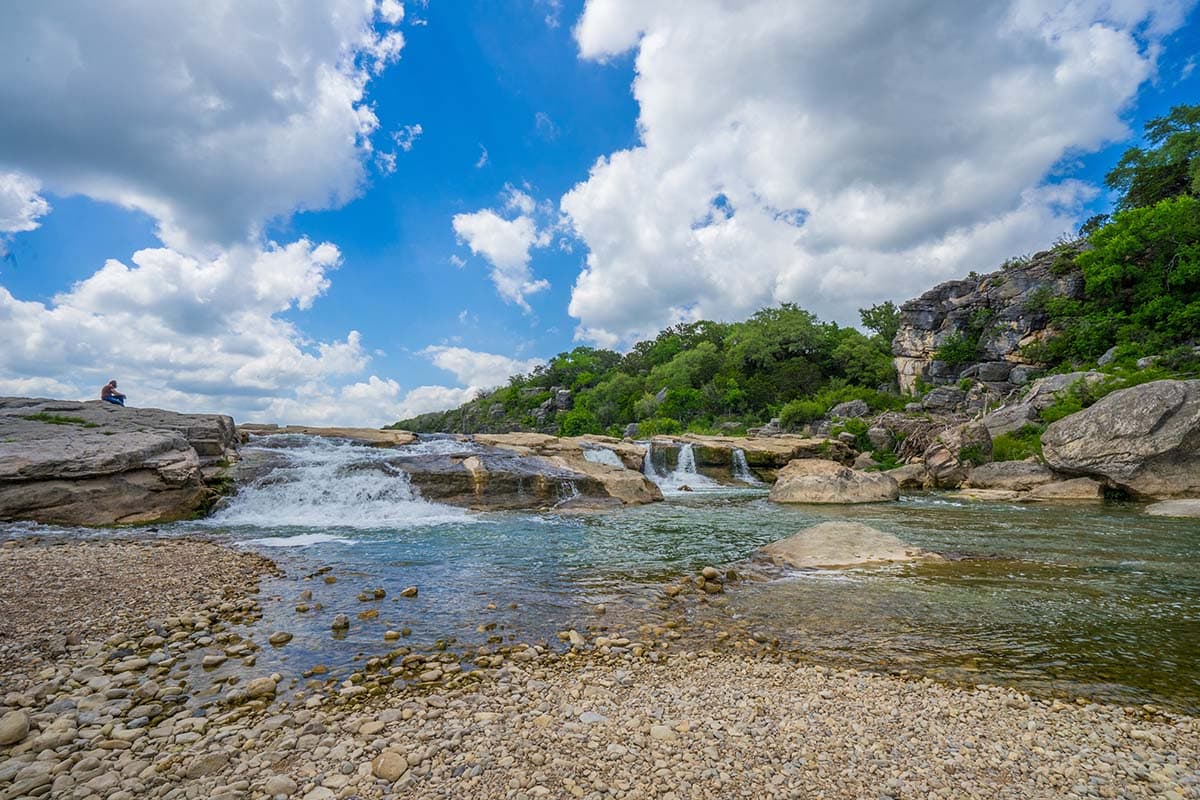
[(155, 693)]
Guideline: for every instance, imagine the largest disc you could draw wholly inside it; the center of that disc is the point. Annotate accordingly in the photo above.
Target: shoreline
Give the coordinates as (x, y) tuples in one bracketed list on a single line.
[(115, 715)]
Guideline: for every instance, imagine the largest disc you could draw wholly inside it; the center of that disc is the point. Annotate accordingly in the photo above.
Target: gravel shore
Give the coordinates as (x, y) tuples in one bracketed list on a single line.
[(171, 705)]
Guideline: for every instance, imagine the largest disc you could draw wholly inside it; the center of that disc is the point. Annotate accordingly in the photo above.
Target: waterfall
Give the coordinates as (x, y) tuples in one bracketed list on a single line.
[(602, 455), (741, 469), (329, 484), (685, 473), (687, 461), (648, 463)]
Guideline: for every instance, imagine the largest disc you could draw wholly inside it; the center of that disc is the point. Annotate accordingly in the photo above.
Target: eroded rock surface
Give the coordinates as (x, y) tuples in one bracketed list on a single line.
[(1144, 440), (94, 463), (820, 481)]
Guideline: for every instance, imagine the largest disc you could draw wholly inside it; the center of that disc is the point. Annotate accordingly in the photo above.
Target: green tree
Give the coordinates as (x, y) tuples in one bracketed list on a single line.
[(883, 318), (1170, 168)]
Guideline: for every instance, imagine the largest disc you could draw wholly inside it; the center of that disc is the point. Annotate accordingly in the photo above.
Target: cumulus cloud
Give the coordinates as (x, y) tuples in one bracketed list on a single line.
[(183, 112), (838, 156), (505, 243), (476, 369), (425, 399), (20, 203), (186, 112)]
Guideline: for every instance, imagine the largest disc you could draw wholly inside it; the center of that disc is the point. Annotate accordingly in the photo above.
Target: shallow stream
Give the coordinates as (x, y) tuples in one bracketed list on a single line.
[(1098, 601)]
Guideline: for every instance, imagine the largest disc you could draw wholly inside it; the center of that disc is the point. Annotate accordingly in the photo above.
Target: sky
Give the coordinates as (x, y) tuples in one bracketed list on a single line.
[(354, 211)]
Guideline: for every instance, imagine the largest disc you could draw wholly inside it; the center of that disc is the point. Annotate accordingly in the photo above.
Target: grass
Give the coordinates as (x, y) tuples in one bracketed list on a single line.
[(60, 419)]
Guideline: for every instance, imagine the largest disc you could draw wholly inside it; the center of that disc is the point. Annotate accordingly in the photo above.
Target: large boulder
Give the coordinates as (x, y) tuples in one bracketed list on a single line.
[(1144, 440), (1175, 508), (820, 481), (1018, 476), (950, 457), (838, 544), (94, 463)]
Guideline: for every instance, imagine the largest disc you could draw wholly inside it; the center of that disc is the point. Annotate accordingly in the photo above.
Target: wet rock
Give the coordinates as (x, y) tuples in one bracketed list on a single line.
[(1075, 489), (1018, 476), (340, 622), (1175, 508), (838, 544), (409, 591), (279, 638)]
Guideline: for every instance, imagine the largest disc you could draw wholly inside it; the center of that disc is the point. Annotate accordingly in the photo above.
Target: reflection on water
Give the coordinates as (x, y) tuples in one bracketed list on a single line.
[(1094, 600)]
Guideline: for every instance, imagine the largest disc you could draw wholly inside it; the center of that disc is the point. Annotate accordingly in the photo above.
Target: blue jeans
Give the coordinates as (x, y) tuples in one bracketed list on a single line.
[(120, 401)]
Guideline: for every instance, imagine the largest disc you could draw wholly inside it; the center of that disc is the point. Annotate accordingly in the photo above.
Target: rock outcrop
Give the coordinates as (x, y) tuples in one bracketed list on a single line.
[(819, 481), (387, 437), (1000, 311), (765, 456), (1144, 440), (838, 544), (1016, 476), (94, 463), (1175, 508)]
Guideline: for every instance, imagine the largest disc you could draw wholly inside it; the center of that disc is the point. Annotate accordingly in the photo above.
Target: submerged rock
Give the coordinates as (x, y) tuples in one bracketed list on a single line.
[(819, 481), (1144, 440), (838, 544)]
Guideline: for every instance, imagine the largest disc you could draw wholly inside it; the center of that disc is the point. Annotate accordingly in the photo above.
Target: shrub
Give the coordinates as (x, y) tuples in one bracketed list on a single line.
[(800, 412), (659, 426), (1019, 445), (973, 454)]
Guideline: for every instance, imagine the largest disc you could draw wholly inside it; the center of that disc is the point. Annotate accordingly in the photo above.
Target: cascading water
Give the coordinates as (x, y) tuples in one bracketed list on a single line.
[(602, 455), (684, 475), (329, 484), (741, 469)]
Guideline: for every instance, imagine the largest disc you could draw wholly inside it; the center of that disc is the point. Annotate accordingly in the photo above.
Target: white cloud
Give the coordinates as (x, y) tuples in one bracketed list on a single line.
[(836, 156), (407, 136), (186, 112), (483, 158), (545, 126), (20, 204), (457, 262), (391, 12), (506, 244), (478, 370), (425, 399)]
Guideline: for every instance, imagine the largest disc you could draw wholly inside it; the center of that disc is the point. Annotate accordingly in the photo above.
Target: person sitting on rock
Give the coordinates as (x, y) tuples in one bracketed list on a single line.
[(109, 394)]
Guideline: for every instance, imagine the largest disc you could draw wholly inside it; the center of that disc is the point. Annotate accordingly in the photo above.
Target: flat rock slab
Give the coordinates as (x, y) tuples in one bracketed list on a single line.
[(372, 436), (1175, 508), (819, 481), (839, 544)]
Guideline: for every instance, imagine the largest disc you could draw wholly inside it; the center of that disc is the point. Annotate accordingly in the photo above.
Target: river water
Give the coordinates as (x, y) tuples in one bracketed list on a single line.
[(1088, 600)]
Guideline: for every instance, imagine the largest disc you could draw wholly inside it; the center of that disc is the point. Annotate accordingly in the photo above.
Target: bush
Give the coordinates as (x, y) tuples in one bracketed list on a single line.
[(579, 421), (1019, 445), (800, 412), (659, 426)]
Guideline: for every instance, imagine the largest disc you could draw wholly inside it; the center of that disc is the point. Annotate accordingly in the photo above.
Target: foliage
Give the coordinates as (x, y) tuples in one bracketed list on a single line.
[(60, 419), (1019, 445), (883, 318), (659, 426), (1169, 169), (800, 412)]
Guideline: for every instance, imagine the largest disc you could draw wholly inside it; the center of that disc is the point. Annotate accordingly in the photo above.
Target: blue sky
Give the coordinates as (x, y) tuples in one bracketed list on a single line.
[(375, 209)]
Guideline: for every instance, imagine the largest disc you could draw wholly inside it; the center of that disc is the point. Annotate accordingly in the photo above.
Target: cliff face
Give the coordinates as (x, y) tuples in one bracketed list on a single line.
[(986, 320)]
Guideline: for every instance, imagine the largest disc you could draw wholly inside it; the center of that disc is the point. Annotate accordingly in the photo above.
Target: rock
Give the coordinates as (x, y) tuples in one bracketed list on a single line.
[(280, 785), (1175, 508), (838, 544), (999, 310), (865, 462), (341, 623), (631, 430), (988, 495), (1075, 489), (206, 764), (409, 591), (1109, 355), (881, 439), (14, 727), (372, 436), (1009, 419), (950, 457), (661, 733), (389, 765), (910, 476), (279, 638), (1144, 440), (260, 687), (213, 660), (1019, 476), (94, 463), (994, 371), (944, 400), (1022, 374), (850, 409), (820, 481)]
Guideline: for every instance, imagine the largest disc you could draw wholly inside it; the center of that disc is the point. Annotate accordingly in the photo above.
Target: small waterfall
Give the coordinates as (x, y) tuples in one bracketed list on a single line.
[(602, 455), (741, 469), (648, 463), (687, 461), (330, 484)]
